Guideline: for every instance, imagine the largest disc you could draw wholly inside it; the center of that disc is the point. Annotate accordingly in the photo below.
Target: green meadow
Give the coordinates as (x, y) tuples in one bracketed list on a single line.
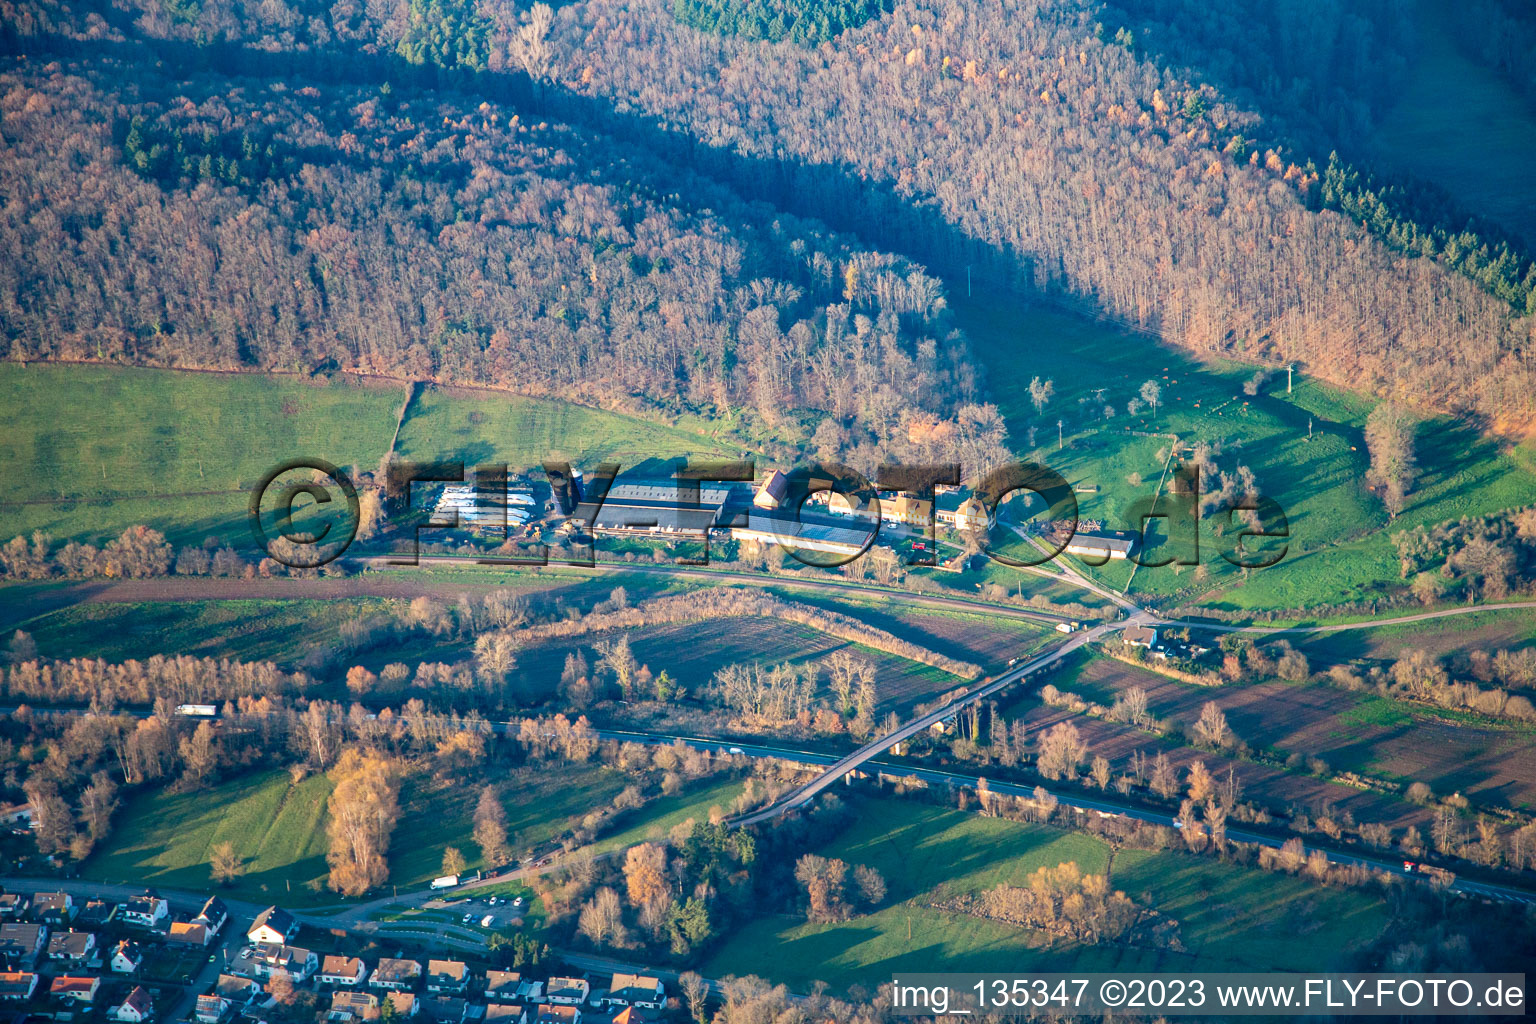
[(93, 449), (658, 817), (165, 839), (90, 450), (480, 427), (1230, 918), (1305, 445), (278, 828)]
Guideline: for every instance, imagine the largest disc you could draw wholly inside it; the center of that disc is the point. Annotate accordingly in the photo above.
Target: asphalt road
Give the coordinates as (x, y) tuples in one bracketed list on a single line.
[(241, 914), (1339, 627), (230, 938)]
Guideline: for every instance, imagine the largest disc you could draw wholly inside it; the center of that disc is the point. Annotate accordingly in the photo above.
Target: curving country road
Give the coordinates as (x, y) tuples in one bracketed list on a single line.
[(1339, 627)]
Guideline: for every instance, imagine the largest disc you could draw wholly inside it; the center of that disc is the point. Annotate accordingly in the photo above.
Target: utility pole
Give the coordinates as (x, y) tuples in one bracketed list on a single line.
[(1059, 442), (1289, 370), (967, 280)]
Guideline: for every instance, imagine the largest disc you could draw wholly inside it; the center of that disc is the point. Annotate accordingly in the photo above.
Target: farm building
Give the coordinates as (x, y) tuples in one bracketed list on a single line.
[(466, 504), (962, 512), (1102, 545)]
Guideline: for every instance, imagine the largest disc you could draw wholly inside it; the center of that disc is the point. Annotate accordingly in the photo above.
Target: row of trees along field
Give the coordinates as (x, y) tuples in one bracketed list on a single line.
[(1031, 146), (75, 766)]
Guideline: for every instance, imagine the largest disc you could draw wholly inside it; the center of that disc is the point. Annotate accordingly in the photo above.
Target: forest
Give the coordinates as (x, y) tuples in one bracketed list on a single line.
[(277, 229), (1162, 164)]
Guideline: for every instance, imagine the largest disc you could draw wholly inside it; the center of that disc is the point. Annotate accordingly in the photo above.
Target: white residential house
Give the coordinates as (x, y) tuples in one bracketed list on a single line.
[(641, 990), (447, 976), (21, 944), (56, 909), (962, 513), (126, 957), (239, 992), (189, 933), (503, 986), (273, 925), (405, 1004), (146, 912), (211, 1009), (567, 991), (342, 971), (266, 958), (213, 915), (558, 1014), (348, 1007), (137, 1006), (75, 988), (17, 985), (72, 947), (395, 974)]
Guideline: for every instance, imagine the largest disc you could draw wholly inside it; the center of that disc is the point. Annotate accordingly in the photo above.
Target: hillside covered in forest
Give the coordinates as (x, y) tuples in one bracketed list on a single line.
[(404, 208)]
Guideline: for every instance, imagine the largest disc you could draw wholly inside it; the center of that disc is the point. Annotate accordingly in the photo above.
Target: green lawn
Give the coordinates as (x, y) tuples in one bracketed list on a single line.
[(1230, 918), (657, 818), (92, 449), (481, 427), (541, 804), (255, 630), (100, 448), (1305, 446), (164, 839)]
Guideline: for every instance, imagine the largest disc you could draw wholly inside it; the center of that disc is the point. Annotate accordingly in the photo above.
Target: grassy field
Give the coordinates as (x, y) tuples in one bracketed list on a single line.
[(541, 805), (165, 839), (661, 815), (1485, 631), (257, 630), (694, 651), (1230, 918), (282, 620), (278, 828), (92, 449), (483, 427), (986, 640), (1462, 126), (1305, 446)]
